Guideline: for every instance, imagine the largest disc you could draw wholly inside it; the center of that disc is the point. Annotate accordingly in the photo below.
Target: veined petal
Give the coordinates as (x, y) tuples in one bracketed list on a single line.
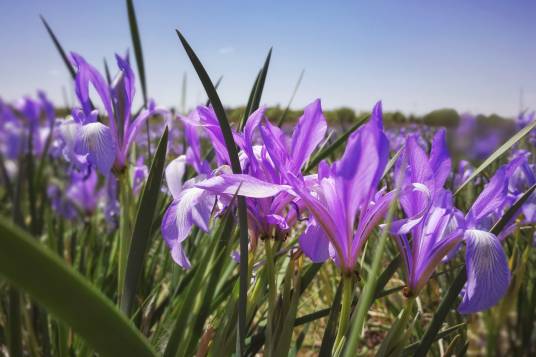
[(97, 139), (314, 243), (174, 174), (192, 205), (168, 226), (179, 256), (242, 185), (308, 133), (488, 275)]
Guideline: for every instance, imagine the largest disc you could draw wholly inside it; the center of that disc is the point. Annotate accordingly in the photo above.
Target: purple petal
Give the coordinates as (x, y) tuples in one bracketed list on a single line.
[(488, 275), (360, 168), (192, 207), (97, 140), (243, 185), (491, 198), (308, 133), (274, 141), (179, 256), (440, 162), (313, 242), (168, 226), (174, 174), (88, 74)]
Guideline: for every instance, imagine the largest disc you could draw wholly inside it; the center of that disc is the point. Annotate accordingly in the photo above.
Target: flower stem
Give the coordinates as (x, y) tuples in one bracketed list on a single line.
[(346, 307), (124, 230), (272, 296)]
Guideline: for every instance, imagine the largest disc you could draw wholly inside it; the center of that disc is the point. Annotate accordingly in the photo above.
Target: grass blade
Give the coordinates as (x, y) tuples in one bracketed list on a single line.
[(63, 291), (138, 53), (235, 166), (136, 43), (328, 340), (62, 53), (296, 87), (335, 145), (369, 290), (498, 153), (142, 226), (256, 92)]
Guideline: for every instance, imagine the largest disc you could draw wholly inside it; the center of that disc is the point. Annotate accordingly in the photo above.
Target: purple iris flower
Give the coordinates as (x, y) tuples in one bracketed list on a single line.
[(437, 228), (344, 196), (433, 222), (265, 168), (78, 199), (86, 139)]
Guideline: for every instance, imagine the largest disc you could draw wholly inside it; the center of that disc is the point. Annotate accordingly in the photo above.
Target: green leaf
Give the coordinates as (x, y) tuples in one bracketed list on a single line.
[(66, 294), (498, 153), (138, 53), (319, 156), (296, 87), (142, 226), (136, 43), (330, 332), (62, 53), (369, 290), (241, 202), (256, 92)]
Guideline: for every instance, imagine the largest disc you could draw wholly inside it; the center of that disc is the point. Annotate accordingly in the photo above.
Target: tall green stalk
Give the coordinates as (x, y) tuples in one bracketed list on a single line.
[(125, 230), (346, 308)]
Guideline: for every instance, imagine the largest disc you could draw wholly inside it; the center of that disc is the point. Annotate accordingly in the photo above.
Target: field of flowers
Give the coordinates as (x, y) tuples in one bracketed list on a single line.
[(131, 231)]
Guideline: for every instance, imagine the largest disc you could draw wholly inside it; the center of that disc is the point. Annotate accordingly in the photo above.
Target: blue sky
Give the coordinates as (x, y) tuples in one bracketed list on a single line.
[(416, 56)]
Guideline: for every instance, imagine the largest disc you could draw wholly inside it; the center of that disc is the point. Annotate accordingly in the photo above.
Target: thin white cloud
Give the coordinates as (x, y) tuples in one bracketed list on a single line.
[(226, 50)]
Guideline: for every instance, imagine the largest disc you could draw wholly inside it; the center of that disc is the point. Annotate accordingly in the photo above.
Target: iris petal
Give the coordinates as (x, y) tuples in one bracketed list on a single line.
[(488, 275)]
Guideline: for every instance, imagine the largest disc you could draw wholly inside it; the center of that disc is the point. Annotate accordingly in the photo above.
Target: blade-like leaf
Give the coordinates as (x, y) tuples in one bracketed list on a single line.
[(256, 92), (66, 294), (136, 43), (296, 87), (235, 166), (62, 53), (369, 291), (330, 332), (498, 153), (321, 155), (142, 226)]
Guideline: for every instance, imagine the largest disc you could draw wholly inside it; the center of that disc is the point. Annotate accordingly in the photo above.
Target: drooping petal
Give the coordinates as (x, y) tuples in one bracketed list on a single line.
[(308, 133), (243, 185), (313, 242), (174, 174), (192, 205), (168, 226), (488, 275), (97, 139), (179, 256)]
